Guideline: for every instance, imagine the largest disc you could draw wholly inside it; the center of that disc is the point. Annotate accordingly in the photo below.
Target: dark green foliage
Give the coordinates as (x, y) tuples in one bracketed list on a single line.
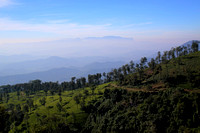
[(93, 88), (25, 108), (17, 116), (86, 92), (59, 107), (4, 125), (77, 99), (7, 98), (52, 124), (195, 46), (43, 101), (167, 111), (60, 99), (30, 103)]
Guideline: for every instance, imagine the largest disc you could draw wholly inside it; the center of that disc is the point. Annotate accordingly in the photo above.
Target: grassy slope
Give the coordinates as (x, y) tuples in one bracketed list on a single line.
[(69, 105)]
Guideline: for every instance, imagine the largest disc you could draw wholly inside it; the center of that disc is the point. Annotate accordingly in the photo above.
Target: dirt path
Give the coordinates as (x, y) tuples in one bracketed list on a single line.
[(155, 88)]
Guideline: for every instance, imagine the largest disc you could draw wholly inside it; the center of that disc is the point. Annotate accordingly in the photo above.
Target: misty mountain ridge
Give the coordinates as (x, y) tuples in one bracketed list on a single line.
[(60, 69), (60, 74), (16, 58), (47, 64), (109, 37), (56, 74)]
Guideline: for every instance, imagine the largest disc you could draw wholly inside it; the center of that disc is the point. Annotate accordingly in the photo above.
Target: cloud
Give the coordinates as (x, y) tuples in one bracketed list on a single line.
[(58, 21), (137, 24), (12, 30), (5, 3), (63, 27)]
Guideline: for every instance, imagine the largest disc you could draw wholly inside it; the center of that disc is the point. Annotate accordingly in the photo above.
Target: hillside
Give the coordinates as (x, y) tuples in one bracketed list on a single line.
[(161, 97)]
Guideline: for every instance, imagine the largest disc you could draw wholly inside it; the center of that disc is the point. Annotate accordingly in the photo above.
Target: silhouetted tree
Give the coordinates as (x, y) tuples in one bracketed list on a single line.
[(195, 46), (132, 66), (152, 64), (83, 82), (158, 57), (73, 83)]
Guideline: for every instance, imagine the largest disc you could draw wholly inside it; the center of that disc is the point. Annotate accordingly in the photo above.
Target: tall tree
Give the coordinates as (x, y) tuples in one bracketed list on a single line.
[(83, 82), (128, 68), (78, 83), (173, 52), (115, 74), (195, 46), (124, 70), (132, 66), (185, 50), (158, 57), (143, 60), (164, 57), (73, 83), (105, 77), (152, 64)]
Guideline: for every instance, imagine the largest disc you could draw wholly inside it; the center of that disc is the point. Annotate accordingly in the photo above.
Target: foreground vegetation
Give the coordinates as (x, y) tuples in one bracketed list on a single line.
[(161, 97), (46, 112)]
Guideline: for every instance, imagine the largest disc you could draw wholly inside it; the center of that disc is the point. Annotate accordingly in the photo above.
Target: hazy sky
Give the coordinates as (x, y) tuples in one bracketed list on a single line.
[(157, 22)]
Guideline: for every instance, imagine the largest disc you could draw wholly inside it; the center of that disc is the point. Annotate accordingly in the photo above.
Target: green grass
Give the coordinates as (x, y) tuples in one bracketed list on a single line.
[(50, 109)]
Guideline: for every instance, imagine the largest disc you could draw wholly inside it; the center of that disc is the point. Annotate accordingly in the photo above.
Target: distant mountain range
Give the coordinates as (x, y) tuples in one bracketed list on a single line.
[(60, 74), (23, 68), (109, 38), (16, 58), (30, 66)]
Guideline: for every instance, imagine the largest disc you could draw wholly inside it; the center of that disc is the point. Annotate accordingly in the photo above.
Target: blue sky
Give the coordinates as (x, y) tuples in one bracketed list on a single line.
[(175, 21)]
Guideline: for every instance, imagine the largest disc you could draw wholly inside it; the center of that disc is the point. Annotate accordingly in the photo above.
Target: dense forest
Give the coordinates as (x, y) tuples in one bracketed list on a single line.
[(162, 95)]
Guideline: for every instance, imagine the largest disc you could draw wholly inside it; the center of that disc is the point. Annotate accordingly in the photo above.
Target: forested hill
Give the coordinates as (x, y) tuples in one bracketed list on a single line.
[(158, 96)]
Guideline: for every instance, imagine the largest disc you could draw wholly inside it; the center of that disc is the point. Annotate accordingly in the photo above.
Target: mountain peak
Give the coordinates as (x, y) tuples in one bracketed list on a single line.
[(109, 38)]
